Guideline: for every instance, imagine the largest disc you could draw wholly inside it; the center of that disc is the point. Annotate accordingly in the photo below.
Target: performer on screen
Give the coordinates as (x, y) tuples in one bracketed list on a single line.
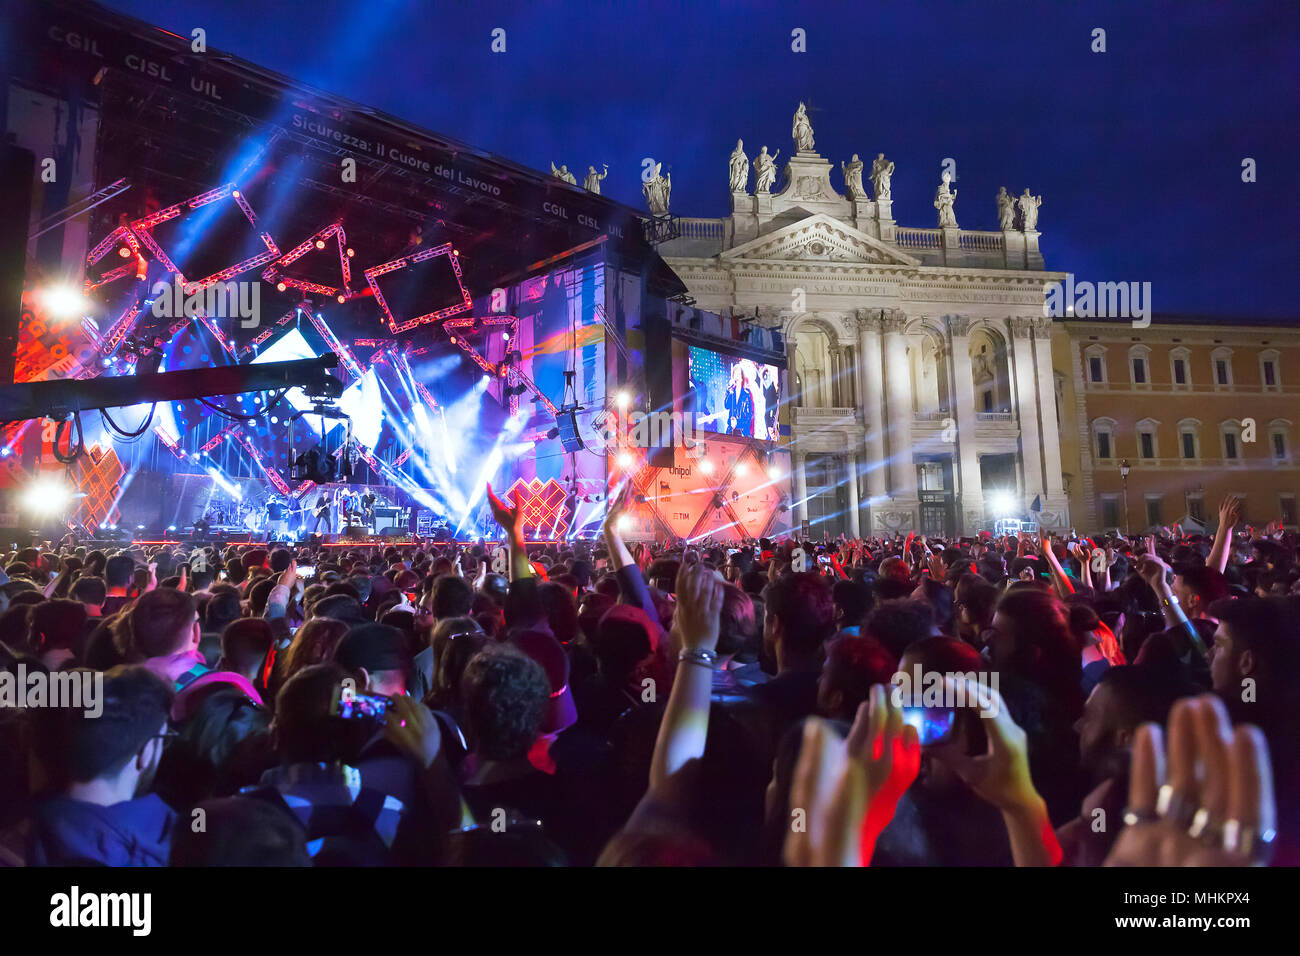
[(772, 398), (740, 404)]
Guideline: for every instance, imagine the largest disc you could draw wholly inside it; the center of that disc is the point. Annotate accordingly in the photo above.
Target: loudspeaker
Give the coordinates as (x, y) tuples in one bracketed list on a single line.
[(17, 169), (392, 531), (567, 422)]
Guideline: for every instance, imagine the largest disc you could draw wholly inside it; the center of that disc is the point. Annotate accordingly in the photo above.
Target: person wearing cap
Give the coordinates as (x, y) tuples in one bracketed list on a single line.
[(378, 659)]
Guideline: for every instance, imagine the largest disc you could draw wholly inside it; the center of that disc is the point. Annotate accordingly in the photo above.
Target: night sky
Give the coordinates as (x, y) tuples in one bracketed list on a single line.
[(1137, 151)]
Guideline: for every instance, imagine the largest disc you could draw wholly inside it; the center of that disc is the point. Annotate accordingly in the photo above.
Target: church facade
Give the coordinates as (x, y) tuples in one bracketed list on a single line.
[(920, 388)]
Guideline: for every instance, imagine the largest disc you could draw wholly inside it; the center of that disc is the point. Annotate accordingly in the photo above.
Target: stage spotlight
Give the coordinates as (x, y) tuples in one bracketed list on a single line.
[(45, 496), (774, 472), (320, 243), (124, 252), (280, 287), (624, 522), (235, 194), (171, 527), (453, 340), (742, 469), (341, 297), (706, 466), (553, 433), (1003, 502), (623, 399), (139, 527), (625, 460), (505, 336), (64, 302), (351, 253)]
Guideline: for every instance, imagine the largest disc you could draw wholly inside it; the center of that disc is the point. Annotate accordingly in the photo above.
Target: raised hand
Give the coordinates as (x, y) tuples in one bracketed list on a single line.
[(848, 789), (698, 614), (509, 517), (1207, 801), (1230, 511)]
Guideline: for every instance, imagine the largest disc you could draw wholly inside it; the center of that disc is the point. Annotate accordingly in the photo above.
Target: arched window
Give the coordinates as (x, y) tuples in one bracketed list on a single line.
[(1189, 439), (1103, 438), (1221, 368), (1270, 370), (1180, 369), (1139, 366), (1094, 364), (1148, 438)]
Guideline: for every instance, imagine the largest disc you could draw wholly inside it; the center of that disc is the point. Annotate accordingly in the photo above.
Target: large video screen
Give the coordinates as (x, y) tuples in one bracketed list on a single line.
[(732, 396)]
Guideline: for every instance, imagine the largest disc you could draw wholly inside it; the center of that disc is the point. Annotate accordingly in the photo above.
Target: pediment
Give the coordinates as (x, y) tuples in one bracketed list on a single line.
[(820, 238)]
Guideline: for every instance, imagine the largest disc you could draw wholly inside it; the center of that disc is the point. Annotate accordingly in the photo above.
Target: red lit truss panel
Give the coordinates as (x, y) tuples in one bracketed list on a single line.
[(143, 228), (328, 242), (437, 310)]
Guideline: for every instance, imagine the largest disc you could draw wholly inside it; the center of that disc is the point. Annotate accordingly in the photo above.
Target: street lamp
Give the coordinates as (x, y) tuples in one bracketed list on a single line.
[(1123, 473)]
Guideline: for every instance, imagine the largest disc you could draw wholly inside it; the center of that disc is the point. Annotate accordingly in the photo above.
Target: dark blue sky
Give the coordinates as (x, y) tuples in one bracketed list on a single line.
[(1137, 152)]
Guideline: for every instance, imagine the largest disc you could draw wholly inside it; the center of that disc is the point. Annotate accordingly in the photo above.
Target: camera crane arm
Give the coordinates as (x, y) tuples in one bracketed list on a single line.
[(60, 398)]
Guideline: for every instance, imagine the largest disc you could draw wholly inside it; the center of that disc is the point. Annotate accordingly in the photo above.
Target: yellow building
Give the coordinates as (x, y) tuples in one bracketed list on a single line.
[(1199, 408)]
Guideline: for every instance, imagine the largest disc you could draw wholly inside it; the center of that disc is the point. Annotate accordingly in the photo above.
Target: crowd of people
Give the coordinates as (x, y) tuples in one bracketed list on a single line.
[(1118, 701)]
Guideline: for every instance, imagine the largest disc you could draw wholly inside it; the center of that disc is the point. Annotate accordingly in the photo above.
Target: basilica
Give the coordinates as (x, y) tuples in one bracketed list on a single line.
[(921, 388)]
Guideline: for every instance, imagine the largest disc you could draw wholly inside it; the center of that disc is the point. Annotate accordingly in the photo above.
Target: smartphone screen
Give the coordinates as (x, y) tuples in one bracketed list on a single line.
[(353, 705), (933, 725)]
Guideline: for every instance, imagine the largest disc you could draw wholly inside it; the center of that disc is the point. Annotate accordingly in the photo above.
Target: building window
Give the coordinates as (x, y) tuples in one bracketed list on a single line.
[(1148, 444), (988, 401), (1279, 439), (1188, 438), (1109, 511), (1221, 359), (1138, 357), (1095, 355), (1180, 368), (1103, 445), (1270, 370), (1286, 508), (1229, 445), (1196, 507), (1153, 512)]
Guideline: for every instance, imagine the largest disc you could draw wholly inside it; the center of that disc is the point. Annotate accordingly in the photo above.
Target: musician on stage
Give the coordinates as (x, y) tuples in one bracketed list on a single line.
[(368, 509), (322, 513), (275, 517)]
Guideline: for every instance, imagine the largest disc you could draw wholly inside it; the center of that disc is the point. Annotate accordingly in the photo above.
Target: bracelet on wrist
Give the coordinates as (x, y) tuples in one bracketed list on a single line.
[(699, 656)]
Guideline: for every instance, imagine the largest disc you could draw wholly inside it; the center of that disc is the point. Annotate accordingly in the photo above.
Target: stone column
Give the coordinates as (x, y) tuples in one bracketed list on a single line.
[(899, 382), (851, 463), (1031, 455), (1047, 407), (800, 488), (833, 399), (871, 389), (971, 501)]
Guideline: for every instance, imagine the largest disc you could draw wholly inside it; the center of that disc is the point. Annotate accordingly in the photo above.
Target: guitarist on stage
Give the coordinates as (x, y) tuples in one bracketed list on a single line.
[(322, 513)]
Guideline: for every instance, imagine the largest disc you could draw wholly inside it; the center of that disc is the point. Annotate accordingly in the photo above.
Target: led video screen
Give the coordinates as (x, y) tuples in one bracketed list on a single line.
[(729, 395)]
